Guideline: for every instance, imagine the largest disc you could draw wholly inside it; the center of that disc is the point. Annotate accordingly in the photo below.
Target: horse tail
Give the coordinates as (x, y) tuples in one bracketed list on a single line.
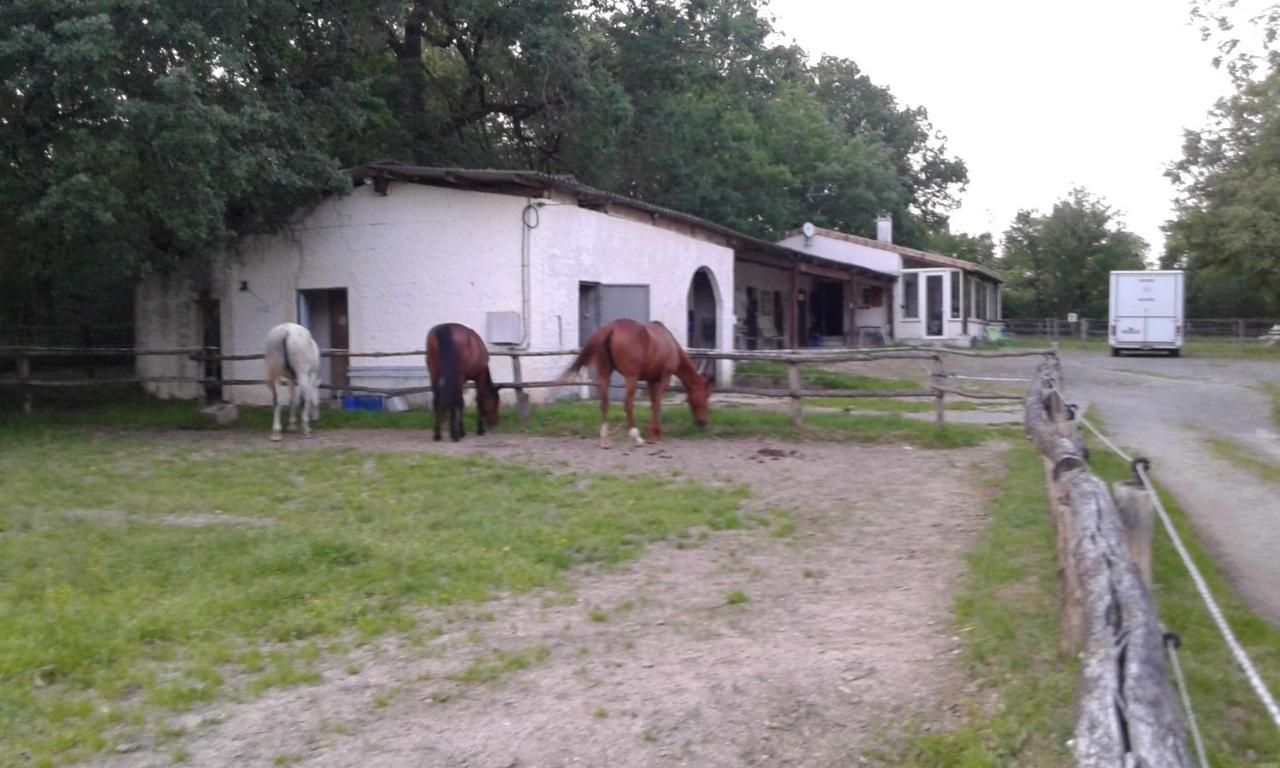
[(448, 384), (594, 345), (284, 355)]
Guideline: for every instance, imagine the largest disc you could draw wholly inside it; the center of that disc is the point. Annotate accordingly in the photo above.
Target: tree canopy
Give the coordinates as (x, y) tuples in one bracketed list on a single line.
[(1226, 228), (138, 133), (1059, 262)]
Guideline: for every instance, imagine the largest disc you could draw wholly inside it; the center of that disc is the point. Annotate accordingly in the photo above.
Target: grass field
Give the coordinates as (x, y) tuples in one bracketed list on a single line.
[(1007, 613), (123, 595), (564, 418), (820, 378), (1250, 350), (139, 577)]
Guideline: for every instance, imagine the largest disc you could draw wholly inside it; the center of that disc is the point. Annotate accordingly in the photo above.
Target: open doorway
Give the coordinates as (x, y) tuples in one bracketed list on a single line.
[(211, 339), (324, 312), (702, 311)]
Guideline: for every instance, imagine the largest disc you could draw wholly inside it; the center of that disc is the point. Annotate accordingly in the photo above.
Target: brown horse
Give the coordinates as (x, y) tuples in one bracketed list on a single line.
[(456, 354), (646, 353)]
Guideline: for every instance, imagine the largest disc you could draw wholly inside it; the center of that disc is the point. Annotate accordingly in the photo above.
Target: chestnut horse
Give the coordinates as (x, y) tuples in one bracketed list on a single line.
[(646, 353), (456, 354)]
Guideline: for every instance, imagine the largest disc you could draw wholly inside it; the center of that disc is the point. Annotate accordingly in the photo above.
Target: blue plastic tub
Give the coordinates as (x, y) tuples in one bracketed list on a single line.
[(362, 403)]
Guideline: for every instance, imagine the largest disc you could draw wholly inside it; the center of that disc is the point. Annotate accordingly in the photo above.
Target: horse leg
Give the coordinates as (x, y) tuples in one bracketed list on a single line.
[(305, 407), (479, 416), (437, 403), (632, 431), (275, 412), (656, 390), (602, 377)]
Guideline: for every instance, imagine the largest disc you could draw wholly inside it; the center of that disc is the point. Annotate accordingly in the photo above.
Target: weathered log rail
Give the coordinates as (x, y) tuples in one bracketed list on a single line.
[(937, 388), (1127, 713)]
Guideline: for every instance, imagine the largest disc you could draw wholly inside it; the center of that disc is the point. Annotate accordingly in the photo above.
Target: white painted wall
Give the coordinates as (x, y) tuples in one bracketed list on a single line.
[(425, 255), (571, 245), (414, 258)]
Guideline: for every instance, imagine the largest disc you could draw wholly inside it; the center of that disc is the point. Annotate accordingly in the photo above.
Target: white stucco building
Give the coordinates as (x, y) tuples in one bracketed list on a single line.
[(530, 261), (936, 299)]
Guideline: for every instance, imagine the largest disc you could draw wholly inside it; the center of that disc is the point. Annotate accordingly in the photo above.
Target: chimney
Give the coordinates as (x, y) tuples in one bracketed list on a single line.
[(884, 227)]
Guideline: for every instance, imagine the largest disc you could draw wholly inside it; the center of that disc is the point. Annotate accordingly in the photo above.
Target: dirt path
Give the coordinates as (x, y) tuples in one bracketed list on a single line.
[(845, 629)]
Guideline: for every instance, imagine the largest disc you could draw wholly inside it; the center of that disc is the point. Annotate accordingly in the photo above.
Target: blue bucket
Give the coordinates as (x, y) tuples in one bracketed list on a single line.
[(362, 403)]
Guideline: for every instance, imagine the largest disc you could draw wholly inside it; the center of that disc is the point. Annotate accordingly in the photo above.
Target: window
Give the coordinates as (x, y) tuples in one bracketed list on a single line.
[(955, 294), (982, 300), (872, 296), (993, 297), (911, 296)]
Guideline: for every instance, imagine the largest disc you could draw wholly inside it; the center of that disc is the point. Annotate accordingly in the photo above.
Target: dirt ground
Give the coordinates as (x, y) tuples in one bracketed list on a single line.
[(844, 635)]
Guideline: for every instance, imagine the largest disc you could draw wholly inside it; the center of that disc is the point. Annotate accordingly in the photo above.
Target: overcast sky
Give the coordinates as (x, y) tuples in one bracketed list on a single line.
[(1036, 97)]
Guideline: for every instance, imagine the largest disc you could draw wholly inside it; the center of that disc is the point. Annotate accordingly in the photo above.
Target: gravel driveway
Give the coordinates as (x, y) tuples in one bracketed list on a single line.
[(1167, 409)]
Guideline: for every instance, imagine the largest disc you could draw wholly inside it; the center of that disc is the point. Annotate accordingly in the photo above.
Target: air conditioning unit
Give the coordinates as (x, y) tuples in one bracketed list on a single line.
[(503, 328)]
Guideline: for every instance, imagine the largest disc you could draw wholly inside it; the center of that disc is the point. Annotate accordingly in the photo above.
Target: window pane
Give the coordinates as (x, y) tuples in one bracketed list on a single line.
[(910, 296), (955, 294)]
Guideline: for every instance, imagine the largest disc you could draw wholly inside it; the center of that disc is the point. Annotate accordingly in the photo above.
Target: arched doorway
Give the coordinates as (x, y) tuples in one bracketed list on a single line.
[(703, 311)]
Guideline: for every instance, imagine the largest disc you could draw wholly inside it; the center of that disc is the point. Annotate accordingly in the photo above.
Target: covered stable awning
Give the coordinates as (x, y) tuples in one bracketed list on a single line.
[(798, 263)]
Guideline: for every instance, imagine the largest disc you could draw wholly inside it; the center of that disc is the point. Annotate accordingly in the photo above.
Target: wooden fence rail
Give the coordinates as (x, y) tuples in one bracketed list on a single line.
[(1127, 713), (793, 359)]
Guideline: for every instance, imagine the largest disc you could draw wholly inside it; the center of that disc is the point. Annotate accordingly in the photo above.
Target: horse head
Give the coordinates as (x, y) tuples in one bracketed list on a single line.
[(487, 401), (699, 398)]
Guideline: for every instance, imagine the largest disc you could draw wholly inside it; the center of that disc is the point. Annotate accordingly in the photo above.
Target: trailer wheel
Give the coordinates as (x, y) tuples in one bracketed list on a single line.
[(1115, 351), (1175, 353)]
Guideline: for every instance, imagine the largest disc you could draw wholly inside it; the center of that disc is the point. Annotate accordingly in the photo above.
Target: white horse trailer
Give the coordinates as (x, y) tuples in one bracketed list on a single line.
[(1147, 311)]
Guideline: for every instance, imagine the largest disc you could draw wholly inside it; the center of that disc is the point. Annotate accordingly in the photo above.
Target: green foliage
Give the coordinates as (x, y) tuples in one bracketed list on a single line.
[(1059, 263), (137, 577), (1226, 229), (141, 133)]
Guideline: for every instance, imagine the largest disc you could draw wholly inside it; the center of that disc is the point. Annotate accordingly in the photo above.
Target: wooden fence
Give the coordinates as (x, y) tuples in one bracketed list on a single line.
[(1127, 713), (939, 387)]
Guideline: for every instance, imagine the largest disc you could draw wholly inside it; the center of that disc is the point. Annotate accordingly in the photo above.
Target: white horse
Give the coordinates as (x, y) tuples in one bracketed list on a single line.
[(293, 357)]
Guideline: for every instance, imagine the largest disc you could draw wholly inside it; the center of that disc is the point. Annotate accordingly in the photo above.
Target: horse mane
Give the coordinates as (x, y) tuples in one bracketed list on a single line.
[(448, 384)]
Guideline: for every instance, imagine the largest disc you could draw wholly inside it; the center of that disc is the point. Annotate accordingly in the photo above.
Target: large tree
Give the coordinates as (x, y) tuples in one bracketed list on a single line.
[(1226, 229), (135, 133), (138, 133), (1059, 262)]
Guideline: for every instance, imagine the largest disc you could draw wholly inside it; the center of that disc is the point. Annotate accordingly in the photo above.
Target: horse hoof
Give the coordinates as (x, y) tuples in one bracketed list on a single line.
[(307, 435), (634, 433), (605, 444), (276, 437), (436, 438)]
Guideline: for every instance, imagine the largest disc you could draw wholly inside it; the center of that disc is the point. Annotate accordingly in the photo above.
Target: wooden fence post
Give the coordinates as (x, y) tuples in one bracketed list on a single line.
[(939, 404), (1084, 330), (1239, 333), (24, 376), (793, 386), (1136, 515), (522, 397)]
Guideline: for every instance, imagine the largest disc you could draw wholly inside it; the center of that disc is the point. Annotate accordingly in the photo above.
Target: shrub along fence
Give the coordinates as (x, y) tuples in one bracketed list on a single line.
[(940, 386)]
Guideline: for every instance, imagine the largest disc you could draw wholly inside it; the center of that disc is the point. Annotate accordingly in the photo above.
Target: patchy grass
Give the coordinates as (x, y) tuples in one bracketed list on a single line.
[(582, 419), (1242, 456), (736, 597), (1251, 349), (110, 616), (890, 404), (563, 418), (496, 664), (1006, 611), (820, 378)]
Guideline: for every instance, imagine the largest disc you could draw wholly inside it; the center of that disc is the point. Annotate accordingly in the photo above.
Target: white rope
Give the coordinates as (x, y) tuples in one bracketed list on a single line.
[(1171, 645), (1242, 658), (1255, 680)]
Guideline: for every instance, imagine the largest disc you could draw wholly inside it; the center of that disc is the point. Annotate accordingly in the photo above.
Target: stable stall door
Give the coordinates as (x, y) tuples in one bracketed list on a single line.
[(324, 313), (933, 305)]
